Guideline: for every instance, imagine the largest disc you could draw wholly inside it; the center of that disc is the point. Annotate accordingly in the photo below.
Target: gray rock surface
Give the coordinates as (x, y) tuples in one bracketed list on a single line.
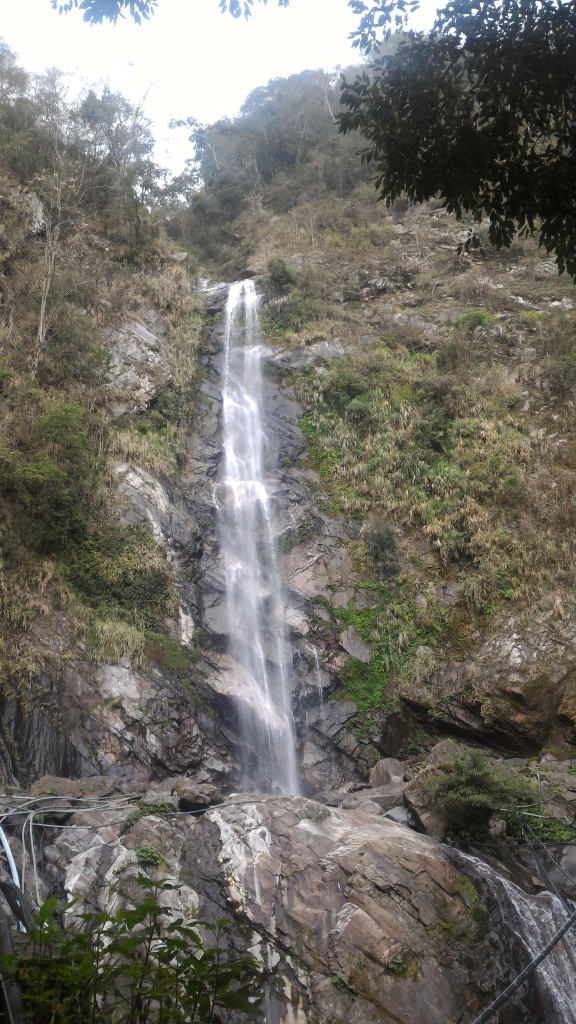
[(359, 918), (139, 363), (388, 769), (386, 797), (515, 689)]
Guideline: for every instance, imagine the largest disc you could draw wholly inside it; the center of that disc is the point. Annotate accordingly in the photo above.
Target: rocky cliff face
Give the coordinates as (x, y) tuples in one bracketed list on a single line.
[(513, 690), (352, 914)]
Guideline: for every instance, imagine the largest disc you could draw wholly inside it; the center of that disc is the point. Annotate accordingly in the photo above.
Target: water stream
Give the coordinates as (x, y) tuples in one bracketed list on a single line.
[(534, 920), (258, 643)]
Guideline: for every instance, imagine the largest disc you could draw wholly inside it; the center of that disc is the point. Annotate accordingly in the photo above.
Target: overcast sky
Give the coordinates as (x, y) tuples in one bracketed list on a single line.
[(189, 59)]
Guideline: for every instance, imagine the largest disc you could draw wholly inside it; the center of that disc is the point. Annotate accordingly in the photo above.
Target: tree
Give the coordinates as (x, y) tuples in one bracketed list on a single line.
[(97, 11), (479, 112)]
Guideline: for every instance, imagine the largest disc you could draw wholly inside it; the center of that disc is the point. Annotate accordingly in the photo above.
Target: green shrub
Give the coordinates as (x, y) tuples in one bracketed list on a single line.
[(470, 789), (49, 473), (284, 315), (148, 855), (125, 573), (476, 318), (281, 276), (382, 548), (364, 684), (136, 966)]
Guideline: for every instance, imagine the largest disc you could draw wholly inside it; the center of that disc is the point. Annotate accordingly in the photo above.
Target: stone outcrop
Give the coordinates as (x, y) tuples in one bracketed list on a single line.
[(358, 917), (138, 362), (515, 689)]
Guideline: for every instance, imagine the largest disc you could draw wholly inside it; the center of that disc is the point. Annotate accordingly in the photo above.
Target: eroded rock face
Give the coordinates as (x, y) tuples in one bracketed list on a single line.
[(136, 725), (515, 689), (360, 918), (139, 362)]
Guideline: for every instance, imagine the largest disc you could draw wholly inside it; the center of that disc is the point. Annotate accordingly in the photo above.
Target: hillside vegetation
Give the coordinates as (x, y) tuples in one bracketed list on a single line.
[(446, 429), (82, 250)]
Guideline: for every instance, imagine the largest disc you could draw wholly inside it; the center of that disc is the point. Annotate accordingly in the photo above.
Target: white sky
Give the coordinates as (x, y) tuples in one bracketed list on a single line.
[(189, 58)]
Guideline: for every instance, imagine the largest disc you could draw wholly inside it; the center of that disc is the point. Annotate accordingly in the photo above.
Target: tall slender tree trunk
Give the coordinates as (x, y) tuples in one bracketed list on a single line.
[(50, 260)]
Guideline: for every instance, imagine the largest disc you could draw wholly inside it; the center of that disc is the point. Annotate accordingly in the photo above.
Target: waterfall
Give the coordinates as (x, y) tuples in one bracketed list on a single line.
[(534, 920), (257, 636)]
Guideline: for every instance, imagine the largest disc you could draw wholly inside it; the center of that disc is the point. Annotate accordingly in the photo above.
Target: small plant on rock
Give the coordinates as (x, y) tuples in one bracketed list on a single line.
[(148, 855)]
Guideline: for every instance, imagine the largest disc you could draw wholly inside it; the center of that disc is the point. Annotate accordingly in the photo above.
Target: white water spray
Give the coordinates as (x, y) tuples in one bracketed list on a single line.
[(535, 919), (258, 643)]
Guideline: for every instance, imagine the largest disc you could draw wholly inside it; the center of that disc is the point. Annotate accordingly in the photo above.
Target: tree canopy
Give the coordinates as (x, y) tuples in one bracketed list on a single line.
[(98, 11), (480, 111)]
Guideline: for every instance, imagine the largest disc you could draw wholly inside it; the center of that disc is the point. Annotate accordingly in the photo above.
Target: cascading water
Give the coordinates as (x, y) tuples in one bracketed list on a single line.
[(258, 643), (535, 919)]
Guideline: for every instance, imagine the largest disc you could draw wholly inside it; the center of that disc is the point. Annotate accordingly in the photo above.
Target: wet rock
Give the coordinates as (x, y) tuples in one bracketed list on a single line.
[(351, 892), (361, 899), (385, 771)]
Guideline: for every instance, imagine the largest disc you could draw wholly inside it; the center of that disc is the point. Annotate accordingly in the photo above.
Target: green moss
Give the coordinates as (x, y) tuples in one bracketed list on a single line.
[(467, 890)]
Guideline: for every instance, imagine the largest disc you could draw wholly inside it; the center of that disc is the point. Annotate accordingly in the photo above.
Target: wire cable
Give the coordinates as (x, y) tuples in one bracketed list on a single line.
[(526, 973)]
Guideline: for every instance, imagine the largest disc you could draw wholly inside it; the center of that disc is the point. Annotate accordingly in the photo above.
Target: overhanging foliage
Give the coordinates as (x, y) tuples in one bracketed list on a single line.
[(479, 112)]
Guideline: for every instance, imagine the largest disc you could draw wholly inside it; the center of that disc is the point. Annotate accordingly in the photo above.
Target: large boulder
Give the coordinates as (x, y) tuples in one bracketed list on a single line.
[(356, 918), (385, 771), (385, 797), (425, 811)]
